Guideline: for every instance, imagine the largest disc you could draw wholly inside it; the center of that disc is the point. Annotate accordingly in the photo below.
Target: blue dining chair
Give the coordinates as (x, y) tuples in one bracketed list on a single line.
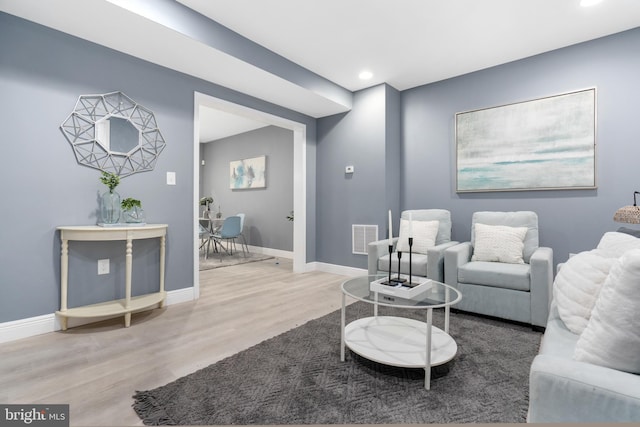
[(230, 230), (244, 240)]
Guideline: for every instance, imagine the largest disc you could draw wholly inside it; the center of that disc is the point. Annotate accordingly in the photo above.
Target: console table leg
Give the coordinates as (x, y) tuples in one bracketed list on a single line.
[(127, 320), (63, 322), (163, 245)]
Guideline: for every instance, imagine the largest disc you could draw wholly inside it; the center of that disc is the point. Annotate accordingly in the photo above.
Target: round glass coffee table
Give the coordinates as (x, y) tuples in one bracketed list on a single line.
[(399, 341)]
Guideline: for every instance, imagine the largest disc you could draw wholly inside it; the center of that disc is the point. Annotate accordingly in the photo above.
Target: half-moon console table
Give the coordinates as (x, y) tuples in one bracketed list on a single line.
[(122, 306)]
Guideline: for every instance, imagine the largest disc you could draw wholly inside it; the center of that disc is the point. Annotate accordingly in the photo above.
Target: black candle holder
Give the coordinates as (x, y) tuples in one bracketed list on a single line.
[(399, 279), (410, 263), (390, 253)]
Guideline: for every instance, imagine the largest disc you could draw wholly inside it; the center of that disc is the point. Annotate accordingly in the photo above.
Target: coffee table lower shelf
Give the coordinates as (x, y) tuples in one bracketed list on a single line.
[(398, 341)]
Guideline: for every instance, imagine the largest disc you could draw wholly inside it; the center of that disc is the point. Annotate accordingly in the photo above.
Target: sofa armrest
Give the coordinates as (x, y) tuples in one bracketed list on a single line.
[(375, 250), (563, 390), (454, 257), (435, 261), (541, 263)]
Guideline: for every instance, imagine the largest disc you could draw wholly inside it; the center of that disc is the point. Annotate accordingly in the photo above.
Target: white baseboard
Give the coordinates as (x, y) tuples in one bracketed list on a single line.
[(272, 252), (23, 328), (32, 326), (336, 269)]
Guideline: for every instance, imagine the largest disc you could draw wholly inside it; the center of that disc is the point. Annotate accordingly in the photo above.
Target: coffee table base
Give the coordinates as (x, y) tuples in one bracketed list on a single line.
[(398, 341)]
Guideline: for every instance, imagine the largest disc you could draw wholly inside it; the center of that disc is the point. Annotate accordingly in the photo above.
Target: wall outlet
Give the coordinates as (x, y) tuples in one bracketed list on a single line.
[(103, 266)]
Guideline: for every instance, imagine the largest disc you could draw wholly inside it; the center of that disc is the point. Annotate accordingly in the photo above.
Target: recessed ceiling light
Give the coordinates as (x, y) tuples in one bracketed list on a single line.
[(365, 75), (589, 3)]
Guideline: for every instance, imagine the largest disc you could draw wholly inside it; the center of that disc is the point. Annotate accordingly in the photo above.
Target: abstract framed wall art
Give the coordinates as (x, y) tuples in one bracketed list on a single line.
[(247, 173), (542, 144)]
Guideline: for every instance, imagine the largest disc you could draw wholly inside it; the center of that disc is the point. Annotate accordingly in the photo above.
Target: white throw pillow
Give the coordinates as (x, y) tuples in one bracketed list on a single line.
[(577, 286), (424, 236), (612, 336), (616, 244), (498, 243)]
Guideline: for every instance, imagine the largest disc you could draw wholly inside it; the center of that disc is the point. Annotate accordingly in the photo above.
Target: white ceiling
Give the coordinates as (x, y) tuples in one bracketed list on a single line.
[(217, 124), (408, 43), (405, 43)]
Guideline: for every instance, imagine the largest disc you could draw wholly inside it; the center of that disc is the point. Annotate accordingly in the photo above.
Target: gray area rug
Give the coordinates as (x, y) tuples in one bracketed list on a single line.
[(217, 260), (297, 378)]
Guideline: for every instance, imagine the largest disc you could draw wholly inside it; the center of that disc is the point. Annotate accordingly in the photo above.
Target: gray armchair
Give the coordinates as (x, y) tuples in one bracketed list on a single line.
[(519, 292), (429, 265)]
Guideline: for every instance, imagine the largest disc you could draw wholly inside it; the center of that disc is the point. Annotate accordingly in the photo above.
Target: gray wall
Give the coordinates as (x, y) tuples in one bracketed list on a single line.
[(368, 137), (42, 73), (266, 209), (571, 220)]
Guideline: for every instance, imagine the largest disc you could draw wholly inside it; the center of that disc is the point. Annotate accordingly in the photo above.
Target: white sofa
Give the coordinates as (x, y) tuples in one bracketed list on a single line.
[(565, 390)]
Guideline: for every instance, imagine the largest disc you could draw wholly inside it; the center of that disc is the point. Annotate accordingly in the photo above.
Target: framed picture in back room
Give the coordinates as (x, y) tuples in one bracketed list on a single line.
[(248, 173)]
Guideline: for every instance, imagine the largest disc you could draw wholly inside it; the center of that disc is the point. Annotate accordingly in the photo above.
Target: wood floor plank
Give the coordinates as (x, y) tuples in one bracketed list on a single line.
[(96, 368)]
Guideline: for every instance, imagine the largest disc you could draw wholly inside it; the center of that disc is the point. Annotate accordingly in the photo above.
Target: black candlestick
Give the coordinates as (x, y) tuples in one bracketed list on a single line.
[(390, 252), (399, 279), (410, 252)]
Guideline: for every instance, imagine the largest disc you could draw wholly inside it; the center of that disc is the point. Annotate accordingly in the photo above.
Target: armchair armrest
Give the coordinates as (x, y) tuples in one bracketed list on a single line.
[(541, 263), (375, 250), (566, 391), (435, 260), (454, 257)]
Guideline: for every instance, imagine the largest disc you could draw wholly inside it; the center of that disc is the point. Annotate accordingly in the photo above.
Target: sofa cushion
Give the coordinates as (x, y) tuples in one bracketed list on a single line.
[(424, 236), (499, 275), (615, 244), (612, 336), (419, 262), (441, 215), (577, 286), (498, 243), (512, 219)]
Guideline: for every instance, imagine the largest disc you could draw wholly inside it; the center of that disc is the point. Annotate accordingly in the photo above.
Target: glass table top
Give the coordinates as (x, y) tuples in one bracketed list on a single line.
[(436, 294)]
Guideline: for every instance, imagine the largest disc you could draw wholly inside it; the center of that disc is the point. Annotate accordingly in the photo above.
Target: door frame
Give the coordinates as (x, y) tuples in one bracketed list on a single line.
[(299, 175)]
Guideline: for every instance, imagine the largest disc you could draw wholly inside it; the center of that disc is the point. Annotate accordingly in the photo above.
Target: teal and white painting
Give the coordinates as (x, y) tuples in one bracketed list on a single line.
[(247, 173), (543, 144)]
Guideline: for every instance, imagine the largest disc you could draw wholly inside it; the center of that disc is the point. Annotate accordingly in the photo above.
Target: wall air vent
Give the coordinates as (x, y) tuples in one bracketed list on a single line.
[(361, 236)]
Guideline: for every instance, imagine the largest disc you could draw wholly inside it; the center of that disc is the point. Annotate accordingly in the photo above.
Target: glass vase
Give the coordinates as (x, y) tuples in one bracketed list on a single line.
[(135, 215), (110, 208)]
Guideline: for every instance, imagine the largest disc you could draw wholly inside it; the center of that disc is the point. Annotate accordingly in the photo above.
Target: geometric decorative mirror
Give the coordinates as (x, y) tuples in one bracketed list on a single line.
[(112, 133)]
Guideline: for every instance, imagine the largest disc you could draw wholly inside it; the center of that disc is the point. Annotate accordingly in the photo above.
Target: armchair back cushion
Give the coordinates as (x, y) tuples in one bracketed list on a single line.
[(511, 219), (441, 215)]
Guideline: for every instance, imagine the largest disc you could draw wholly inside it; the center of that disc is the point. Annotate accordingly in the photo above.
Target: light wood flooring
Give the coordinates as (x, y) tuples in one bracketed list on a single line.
[(97, 368)]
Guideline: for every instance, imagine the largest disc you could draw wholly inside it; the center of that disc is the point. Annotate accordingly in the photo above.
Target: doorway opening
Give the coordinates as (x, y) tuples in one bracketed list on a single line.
[(299, 174)]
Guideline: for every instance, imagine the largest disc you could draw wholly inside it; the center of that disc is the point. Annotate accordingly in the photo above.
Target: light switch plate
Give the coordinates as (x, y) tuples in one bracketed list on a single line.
[(171, 178)]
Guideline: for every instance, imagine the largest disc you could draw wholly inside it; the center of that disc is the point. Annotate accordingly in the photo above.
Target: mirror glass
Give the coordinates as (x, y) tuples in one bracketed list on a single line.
[(112, 133), (117, 135)]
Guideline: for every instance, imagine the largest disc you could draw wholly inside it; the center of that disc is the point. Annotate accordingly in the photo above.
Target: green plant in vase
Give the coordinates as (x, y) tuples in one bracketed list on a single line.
[(206, 202), (111, 180), (110, 200), (132, 211)]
